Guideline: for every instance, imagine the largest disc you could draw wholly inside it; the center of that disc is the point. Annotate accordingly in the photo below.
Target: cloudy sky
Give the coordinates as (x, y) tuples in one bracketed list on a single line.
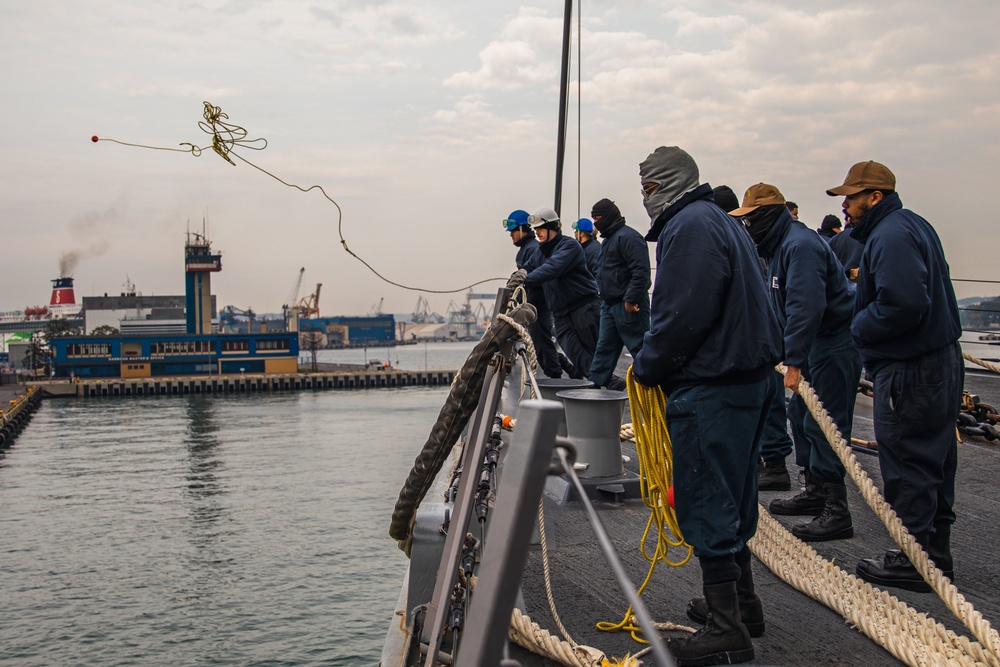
[(428, 122)]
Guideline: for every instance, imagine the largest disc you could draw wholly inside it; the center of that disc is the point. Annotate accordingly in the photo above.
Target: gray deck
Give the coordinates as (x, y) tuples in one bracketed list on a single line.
[(800, 631)]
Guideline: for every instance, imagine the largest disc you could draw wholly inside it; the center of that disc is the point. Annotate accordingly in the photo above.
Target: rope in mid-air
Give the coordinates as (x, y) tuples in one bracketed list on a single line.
[(226, 136)]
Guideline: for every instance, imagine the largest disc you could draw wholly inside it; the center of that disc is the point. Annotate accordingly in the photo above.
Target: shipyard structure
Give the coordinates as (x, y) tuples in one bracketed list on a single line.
[(152, 343)]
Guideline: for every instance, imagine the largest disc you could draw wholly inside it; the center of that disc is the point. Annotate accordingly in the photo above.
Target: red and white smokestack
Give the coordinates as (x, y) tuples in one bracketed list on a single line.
[(62, 292)]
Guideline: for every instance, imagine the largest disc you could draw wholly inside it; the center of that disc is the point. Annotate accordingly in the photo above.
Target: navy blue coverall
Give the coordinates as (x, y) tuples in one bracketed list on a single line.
[(906, 327), (712, 342), (814, 303), (623, 276)]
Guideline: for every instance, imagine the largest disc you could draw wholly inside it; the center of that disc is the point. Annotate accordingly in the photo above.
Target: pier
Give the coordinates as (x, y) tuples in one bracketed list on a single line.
[(248, 384)]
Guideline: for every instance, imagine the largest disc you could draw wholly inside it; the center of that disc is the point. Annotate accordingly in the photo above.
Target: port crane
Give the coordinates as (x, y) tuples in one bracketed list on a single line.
[(309, 305), (290, 300)]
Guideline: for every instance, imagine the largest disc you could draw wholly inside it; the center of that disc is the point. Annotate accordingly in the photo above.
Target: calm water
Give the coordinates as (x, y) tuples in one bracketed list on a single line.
[(208, 531)]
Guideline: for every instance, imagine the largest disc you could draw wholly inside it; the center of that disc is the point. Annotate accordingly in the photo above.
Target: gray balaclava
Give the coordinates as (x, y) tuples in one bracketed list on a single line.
[(676, 173)]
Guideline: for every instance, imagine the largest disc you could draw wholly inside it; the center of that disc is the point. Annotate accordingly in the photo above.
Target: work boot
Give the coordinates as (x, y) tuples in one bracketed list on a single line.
[(894, 569), (834, 522), (810, 502), (723, 640), (939, 549), (773, 476), (751, 610), (617, 383)]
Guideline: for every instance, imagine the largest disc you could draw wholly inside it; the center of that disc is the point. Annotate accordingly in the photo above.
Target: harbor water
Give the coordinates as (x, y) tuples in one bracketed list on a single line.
[(210, 530)]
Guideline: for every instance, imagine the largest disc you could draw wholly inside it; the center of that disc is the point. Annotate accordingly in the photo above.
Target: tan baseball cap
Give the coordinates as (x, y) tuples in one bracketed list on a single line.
[(863, 176), (756, 196)]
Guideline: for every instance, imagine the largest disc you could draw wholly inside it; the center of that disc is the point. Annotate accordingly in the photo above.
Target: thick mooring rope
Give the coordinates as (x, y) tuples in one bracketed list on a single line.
[(984, 364), (916, 643)]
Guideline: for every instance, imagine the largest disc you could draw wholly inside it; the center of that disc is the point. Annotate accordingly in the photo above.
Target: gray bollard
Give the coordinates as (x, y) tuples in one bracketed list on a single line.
[(550, 387), (594, 418)]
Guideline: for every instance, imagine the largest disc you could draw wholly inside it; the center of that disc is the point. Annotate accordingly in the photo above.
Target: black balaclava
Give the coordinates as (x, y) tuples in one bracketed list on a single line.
[(725, 198), (762, 219), (608, 212)]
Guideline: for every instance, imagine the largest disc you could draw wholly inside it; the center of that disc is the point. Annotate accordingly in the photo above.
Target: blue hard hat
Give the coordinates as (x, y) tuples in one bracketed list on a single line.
[(516, 219), (584, 225)]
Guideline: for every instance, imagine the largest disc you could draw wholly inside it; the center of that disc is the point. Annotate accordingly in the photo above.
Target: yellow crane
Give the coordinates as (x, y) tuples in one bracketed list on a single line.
[(309, 305)]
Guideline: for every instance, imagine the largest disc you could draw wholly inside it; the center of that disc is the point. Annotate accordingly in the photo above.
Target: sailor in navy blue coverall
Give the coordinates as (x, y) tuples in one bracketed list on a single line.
[(712, 342), (906, 327)]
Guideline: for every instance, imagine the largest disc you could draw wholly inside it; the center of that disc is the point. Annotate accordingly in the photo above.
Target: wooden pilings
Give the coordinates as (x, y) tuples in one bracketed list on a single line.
[(249, 384)]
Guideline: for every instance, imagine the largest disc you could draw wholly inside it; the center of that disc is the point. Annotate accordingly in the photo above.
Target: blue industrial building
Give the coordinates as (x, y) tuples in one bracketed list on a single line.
[(178, 354), (353, 331)]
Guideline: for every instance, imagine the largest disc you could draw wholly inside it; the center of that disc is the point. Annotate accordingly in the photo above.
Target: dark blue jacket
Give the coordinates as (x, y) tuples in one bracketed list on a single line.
[(592, 253), (711, 322), (529, 257), (624, 266), (906, 305), (809, 290), (847, 249), (564, 275)]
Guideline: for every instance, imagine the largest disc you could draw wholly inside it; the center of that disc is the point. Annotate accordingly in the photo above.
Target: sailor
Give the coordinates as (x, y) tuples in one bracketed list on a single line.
[(829, 228), (775, 444), (814, 303), (570, 289), (583, 231), (712, 343), (528, 258), (906, 327), (848, 250), (623, 279)]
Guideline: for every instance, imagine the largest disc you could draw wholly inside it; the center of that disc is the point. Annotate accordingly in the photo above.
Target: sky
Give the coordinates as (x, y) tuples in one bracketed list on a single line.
[(428, 122)]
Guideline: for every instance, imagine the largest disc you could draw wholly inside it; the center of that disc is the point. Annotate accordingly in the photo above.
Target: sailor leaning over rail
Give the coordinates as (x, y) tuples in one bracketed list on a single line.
[(712, 342), (529, 257), (570, 289), (814, 303), (906, 327)]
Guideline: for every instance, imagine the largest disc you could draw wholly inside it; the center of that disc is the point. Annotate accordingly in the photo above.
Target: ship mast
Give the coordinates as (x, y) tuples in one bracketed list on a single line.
[(563, 104)]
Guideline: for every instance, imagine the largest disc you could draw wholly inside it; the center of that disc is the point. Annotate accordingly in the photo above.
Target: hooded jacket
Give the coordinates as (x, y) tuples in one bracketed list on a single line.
[(623, 273), (905, 303), (563, 275), (711, 322), (808, 288)]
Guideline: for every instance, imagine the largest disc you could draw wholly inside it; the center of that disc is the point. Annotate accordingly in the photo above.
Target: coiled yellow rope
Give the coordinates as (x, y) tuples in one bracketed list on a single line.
[(654, 450)]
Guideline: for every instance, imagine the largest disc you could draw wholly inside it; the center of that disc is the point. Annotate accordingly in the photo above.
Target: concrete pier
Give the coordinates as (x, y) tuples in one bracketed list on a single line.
[(249, 384)]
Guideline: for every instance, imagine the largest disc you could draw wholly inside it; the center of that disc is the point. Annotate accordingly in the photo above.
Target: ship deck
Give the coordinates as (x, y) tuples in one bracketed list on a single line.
[(800, 630)]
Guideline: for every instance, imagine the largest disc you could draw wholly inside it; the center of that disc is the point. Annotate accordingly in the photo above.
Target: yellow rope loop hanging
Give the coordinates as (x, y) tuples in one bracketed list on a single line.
[(655, 454)]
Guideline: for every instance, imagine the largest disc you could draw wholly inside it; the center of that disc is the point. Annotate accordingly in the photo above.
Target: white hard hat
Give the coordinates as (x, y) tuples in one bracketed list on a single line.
[(542, 216)]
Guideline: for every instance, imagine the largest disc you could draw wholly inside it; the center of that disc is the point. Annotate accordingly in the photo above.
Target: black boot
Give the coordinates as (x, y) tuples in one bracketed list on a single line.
[(617, 383), (751, 610), (809, 502), (723, 640), (834, 522), (894, 569), (939, 549), (773, 476)]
